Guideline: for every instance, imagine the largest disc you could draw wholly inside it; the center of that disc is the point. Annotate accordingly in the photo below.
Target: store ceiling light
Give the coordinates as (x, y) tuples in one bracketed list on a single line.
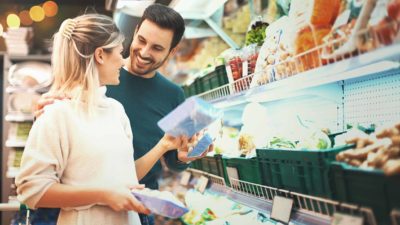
[(36, 13), (25, 18), (13, 21), (50, 8)]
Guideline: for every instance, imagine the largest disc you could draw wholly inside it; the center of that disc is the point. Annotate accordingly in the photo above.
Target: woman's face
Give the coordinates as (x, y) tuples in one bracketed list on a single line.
[(110, 67)]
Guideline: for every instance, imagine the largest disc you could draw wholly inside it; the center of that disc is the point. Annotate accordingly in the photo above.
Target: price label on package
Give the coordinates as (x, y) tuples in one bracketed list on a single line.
[(281, 209), (185, 178), (202, 184), (344, 219)]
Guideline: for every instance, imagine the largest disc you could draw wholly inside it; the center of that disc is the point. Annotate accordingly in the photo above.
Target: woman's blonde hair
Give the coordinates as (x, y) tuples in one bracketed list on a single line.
[(73, 61)]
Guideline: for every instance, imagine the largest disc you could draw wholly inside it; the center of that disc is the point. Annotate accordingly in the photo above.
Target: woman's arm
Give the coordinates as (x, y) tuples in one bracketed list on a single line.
[(167, 143), (62, 196)]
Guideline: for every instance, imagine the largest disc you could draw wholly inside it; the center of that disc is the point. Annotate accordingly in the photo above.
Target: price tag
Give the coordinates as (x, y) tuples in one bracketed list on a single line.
[(185, 178), (233, 173), (202, 184), (344, 219), (281, 209), (245, 68)]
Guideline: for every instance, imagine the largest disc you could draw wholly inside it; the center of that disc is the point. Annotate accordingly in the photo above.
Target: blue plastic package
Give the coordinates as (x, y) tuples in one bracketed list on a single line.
[(161, 203), (201, 146), (190, 117)]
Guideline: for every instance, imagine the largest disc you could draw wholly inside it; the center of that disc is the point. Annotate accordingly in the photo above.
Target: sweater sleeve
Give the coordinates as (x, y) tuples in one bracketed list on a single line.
[(43, 160)]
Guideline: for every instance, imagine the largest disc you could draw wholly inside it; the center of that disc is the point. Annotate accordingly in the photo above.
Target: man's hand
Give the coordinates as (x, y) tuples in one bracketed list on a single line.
[(184, 151), (46, 99)]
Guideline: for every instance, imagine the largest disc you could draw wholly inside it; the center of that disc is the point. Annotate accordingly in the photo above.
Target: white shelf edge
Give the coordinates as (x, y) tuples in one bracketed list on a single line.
[(19, 118), (12, 172), (15, 143)]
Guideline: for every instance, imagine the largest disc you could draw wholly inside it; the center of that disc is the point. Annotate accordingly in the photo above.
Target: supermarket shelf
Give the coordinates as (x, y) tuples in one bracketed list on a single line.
[(10, 206), (380, 60), (30, 57), (304, 70), (15, 143), (309, 209), (13, 89), (19, 117), (12, 172)]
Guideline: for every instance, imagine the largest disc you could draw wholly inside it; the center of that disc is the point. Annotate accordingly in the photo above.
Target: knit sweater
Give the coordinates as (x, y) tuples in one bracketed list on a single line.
[(65, 147)]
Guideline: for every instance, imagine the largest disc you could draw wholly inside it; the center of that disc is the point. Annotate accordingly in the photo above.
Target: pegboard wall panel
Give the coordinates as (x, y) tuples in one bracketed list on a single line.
[(373, 100), (319, 107)]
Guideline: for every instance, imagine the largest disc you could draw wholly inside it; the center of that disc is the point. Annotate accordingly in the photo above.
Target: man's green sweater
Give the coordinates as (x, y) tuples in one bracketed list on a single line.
[(146, 101)]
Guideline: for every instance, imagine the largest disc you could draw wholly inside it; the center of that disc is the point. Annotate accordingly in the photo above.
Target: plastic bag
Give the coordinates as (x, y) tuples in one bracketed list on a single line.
[(161, 202), (190, 117)]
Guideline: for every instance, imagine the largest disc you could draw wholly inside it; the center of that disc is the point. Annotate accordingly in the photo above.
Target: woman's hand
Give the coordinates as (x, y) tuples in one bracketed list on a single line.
[(121, 199)]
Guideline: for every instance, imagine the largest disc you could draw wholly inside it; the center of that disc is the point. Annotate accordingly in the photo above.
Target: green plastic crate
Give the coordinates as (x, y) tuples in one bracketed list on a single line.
[(302, 171), (215, 79), (370, 188), (198, 86), (247, 169), (196, 164), (210, 164)]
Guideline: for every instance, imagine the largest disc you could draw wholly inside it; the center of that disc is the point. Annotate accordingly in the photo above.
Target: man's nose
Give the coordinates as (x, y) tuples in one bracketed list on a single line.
[(145, 51)]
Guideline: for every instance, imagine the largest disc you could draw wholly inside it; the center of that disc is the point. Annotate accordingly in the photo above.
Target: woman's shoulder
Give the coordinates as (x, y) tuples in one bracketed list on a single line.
[(58, 109)]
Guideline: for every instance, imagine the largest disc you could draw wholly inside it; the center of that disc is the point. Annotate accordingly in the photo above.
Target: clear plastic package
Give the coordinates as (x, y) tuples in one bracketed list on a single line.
[(190, 117), (161, 202), (201, 146)]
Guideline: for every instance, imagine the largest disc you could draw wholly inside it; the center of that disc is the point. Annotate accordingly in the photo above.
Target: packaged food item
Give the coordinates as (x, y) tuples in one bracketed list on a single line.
[(160, 202), (22, 102), (349, 32), (201, 146), (275, 58), (190, 117), (313, 19), (31, 74)]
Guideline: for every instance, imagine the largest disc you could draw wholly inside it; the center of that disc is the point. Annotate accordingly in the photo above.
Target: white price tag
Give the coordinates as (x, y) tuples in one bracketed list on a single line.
[(185, 178), (344, 219), (202, 184), (281, 209), (245, 68), (233, 173)]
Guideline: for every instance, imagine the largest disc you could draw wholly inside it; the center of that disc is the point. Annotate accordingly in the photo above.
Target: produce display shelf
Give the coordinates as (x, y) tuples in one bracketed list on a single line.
[(358, 63), (19, 117), (307, 209)]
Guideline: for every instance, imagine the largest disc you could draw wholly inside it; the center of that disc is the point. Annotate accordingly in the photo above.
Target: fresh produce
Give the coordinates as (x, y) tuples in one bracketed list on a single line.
[(379, 150), (256, 34), (281, 143)]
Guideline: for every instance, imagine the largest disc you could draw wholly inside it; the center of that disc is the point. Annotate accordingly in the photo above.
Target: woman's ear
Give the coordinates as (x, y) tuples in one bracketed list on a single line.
[(99, 55)]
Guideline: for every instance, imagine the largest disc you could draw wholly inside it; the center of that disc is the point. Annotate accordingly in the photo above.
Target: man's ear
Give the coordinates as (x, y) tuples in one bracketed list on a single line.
[(173, 52), (99, 55)]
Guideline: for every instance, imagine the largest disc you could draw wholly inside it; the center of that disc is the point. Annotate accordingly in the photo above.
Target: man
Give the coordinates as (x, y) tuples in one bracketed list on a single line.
[(145, 94)]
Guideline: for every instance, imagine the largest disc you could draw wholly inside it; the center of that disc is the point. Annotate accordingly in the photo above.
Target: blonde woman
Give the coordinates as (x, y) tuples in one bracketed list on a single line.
[(78, 155)]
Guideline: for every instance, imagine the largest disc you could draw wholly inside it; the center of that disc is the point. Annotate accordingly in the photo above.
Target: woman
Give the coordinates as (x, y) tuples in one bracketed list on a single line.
[(79, 155)]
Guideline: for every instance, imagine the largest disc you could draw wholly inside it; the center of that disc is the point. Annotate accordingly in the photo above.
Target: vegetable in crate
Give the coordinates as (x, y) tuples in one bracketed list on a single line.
[(380, 150)]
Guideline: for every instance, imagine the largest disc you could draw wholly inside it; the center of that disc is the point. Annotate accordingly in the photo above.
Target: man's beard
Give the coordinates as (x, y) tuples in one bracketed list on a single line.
[(153, 65)]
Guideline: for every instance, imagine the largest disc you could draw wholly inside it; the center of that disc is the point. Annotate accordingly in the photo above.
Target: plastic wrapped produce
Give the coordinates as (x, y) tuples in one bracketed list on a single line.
[(161, 202), (190, 117)]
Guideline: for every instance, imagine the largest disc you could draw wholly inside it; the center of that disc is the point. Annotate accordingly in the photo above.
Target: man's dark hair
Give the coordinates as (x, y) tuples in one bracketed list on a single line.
[(167, 18)]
